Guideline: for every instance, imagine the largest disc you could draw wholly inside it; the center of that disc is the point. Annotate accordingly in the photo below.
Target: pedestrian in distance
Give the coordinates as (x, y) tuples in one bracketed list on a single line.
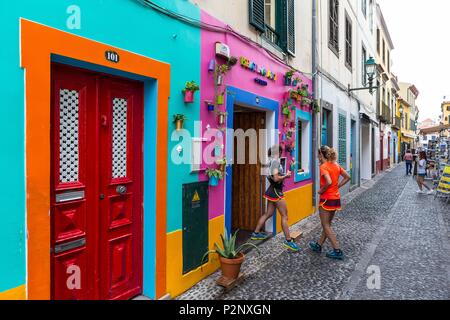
[(275, 200), (408, 158), (330, 200), (422, 173)]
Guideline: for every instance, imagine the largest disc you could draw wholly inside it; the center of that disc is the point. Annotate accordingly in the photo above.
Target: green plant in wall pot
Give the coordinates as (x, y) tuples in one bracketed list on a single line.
[(288, 77), (222, 163), (214, 176), (190, 88), (220, 98), (230, 256), (285, 110), (179, 119), (303, 91), (316, 106)]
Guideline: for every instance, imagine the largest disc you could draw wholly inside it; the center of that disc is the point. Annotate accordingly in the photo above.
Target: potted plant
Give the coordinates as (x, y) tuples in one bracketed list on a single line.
[(189, 90), (286, 110), (220, 99), (316, 106), (222, 116), (288, 77), (231, 258), (214, 176), (306, 101), (221, 72), (179, 119), (294, 94), (210, 105), (303, 91), (296, 81), (222, 163)]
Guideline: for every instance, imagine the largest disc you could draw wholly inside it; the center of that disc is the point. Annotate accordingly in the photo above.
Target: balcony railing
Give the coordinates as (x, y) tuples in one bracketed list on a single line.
[(272, 35), (397, 122), (385, 113)]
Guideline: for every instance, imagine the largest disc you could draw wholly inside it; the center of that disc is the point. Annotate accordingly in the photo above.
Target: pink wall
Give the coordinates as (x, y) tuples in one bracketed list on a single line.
[(241, 78)]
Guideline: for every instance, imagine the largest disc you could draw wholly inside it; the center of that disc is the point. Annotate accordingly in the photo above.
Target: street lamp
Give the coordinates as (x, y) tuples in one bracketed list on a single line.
[(370, 70)]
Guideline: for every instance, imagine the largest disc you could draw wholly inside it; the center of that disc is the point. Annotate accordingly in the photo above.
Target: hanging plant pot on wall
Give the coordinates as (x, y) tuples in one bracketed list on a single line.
[(220, 80), (214, 176), (179, 120), (222, 117), (210, 105), (220, 99), (189, 91)]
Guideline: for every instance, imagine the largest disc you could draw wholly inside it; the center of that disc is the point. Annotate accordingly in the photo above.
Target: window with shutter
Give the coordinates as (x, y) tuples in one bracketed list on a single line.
[(276, 20), (257, 16), (348, 43), (342, 143), (333, 37), (290, 16)]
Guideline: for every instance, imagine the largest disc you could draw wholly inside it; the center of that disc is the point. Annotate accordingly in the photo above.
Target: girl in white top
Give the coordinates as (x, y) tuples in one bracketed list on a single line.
[(422, 173)]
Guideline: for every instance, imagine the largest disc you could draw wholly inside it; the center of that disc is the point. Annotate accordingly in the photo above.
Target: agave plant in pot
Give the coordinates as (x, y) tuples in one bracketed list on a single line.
[(231, 258)]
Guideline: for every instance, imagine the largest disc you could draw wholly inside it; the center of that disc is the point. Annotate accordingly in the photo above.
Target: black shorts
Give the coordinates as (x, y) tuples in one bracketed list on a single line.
[(274, 194)]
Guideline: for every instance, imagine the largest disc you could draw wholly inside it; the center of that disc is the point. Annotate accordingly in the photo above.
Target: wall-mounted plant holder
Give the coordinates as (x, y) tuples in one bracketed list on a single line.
[(210, 105), (212, 65), (287, 81), (222, 117), (189, 91), (189, 96), (178, 120), (219, 81), (220, 99)]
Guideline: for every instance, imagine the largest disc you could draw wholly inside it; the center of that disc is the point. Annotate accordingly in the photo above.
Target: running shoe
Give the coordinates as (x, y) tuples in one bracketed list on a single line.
[(420, 192), (335, 254), (430, 192), (315, 246), (259, 236), (291, 245)]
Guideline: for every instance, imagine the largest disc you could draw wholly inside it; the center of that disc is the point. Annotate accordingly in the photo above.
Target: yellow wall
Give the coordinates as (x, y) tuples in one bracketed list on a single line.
[(14, 294), (177, 283), (300, 205)]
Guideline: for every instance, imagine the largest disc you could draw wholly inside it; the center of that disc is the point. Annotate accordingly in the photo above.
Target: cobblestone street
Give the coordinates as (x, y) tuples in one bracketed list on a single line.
[(385, 224)]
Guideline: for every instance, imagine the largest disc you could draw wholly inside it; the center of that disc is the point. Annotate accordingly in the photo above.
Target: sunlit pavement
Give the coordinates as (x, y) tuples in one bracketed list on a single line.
[(396, 244)]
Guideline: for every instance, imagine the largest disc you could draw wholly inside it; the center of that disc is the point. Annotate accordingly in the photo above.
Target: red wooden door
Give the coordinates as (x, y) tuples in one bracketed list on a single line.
[(96, 184)]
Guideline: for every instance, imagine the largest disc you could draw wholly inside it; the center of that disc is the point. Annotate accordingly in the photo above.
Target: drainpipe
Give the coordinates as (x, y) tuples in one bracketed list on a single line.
[(316, 116)]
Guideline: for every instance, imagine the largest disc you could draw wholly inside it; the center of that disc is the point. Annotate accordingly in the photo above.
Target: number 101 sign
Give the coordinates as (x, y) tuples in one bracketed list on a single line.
[(112, 56)]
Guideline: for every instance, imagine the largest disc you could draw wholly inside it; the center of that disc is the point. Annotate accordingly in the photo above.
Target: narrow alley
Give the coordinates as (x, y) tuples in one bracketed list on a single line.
[(385, 227)]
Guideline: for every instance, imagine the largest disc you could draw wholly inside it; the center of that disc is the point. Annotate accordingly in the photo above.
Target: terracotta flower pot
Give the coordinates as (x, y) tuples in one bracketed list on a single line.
[(231, 267), (189, 96)]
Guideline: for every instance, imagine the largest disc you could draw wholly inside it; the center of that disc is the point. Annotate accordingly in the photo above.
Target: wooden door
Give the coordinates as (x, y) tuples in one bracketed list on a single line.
[(248, 183), (121, 172), (96, 185)]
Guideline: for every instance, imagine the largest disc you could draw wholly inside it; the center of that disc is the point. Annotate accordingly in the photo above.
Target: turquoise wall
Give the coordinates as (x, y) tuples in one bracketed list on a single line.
[(122, 23)]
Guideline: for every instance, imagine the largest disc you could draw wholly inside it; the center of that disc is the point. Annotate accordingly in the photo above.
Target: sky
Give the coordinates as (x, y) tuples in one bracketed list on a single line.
[(420, 32)]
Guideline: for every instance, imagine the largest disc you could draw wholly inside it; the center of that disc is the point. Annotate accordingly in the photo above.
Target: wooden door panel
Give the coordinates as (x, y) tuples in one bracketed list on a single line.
[(121, 111), (69, 221), (121, 211), (69, 268), (74, 95), (97, 134), (247, 180)]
